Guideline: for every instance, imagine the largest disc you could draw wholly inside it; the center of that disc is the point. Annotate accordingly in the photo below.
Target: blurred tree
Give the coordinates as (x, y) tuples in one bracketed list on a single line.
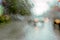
[(19, 6), (12, 7)]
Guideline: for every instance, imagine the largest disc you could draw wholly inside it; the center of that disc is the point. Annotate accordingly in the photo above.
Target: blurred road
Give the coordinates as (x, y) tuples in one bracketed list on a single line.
[(22, 30)]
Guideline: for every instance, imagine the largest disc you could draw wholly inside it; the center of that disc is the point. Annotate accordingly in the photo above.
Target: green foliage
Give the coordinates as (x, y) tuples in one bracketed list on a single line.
[(4, 18), (18, 6), (24, 11), (12, 7)]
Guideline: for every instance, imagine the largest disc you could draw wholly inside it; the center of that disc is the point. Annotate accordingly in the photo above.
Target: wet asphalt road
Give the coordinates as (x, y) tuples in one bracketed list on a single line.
[(21, 30)]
